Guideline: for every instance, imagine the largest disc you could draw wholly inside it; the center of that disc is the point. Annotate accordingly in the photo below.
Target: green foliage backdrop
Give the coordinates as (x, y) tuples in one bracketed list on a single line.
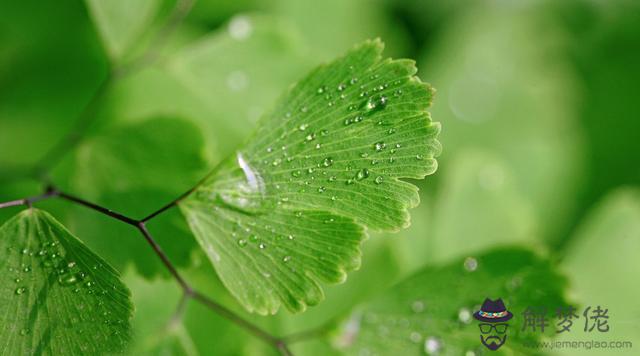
[(535, 198)]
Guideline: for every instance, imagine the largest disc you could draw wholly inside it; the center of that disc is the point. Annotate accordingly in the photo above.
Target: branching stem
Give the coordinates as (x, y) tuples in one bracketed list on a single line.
[(83, 122)]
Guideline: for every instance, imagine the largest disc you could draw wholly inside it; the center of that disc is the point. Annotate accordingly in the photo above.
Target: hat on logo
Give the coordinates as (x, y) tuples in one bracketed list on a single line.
[(493, 311)]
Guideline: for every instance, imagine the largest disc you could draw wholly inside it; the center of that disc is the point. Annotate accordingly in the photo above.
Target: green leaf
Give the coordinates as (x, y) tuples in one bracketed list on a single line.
[(478, 207), (221, 70), (162, 153), (287, 210), (432, 310), (514, 97), (57, 297), (602, 265), (121, 22)]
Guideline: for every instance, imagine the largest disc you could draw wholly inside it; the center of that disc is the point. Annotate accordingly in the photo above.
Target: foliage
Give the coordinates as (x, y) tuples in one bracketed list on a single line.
[(130, 105)]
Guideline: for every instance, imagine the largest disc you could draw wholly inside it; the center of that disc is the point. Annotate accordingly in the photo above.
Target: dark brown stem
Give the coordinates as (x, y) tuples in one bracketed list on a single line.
[(189, 292)]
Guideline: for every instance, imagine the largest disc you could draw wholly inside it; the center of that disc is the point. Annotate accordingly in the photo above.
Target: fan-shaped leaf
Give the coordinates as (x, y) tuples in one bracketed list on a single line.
[(56, 296), (287, 210)]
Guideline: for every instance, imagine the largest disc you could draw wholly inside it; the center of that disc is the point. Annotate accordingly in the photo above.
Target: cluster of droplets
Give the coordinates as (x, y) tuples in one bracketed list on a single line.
[(313, 172), (49, 259), (248, 236)]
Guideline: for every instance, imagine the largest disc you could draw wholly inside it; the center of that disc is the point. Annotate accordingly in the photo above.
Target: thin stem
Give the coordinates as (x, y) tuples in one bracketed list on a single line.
[(99, 208), (165, 260), (189, 292), (28, 201), (169, 205), (230, 315)]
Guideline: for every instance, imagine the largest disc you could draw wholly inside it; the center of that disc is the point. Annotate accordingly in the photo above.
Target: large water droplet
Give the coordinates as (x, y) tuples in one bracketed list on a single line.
[(20, 290), (379, 180)]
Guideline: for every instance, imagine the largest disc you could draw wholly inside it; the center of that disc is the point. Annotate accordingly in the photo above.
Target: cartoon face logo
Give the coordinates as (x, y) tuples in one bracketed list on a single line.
[(493, 317)]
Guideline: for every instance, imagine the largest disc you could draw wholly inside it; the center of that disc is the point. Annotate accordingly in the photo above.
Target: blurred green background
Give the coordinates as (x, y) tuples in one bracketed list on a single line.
[(537, 99)]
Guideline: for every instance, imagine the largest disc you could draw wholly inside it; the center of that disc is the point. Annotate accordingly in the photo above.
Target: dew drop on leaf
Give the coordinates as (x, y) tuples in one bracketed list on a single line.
[(470, 264), (362, 174)]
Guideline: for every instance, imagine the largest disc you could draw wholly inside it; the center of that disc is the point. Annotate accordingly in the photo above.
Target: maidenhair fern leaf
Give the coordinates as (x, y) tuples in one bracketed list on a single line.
[(431, 312), (288, 210), (56, 296)]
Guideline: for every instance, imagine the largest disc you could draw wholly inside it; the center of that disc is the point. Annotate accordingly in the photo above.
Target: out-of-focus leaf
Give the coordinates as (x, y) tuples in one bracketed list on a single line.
[(166, 154), (431, 312), (333, 26), (121, 22), (515, 97), (239, 71), (135, 169), (58, 297), (478, 207), (279, 213), (602, 265)]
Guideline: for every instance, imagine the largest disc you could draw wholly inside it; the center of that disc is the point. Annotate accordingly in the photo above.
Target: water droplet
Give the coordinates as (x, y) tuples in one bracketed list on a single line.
[(391, 131), (27, 269), (291, 237), (298, 214), (20, 290), (464, 315), (286, 259), (379, 146), (253, 238), (470, 264), (296, 173), (379, 179), (415, 337), (310, 137), (417, 306), (353, 81), (364, 155), (322, 89), (242, 242), (262, 246), (24, 332), (332, 179), (68, 280), (25, 251), (432, 345), (470, 353), (324, 132), (333, 198), (350, 181), (71, 264), (237, 80), (419, 157), (321, 189), (17, 280), (341, 87), (240, 28), (362, 174), (303, 127)]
